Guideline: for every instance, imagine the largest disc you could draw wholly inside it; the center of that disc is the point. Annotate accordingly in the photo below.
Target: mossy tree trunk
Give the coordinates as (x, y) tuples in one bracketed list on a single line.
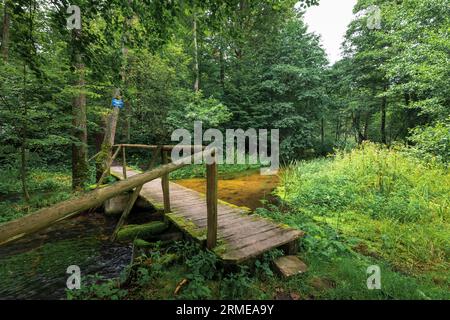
[(79, 120), (4, 49)]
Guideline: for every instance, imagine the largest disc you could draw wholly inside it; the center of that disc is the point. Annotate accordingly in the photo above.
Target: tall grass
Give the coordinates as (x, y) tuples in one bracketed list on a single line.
[(390, 204)]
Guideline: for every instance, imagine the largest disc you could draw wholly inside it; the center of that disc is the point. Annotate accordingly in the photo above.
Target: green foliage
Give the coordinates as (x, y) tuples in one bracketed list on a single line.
[(201, 268), (47, 186), (432, 141), (96, 288), (398, 72), (237, 286), (263, 266), (381, 201), (225, 171), (195, 107)]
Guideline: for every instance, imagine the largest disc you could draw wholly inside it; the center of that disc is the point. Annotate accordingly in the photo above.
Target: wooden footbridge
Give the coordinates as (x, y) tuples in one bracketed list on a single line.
[(231, 232)]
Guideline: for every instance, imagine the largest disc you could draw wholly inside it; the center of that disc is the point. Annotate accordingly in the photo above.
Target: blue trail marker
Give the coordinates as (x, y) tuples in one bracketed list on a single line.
[(117, 103)]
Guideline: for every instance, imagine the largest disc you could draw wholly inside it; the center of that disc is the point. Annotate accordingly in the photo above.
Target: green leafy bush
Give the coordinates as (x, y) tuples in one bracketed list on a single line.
[(432, 141), (236, 285), (97, 288)]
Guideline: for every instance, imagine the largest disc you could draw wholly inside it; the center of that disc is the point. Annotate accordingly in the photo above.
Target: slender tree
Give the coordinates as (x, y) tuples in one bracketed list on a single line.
[(4, 49)]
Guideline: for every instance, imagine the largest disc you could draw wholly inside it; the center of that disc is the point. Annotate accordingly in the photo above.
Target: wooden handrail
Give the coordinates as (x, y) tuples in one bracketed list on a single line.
[(42, 218), (162, 150), (166, 147), (211, 190)]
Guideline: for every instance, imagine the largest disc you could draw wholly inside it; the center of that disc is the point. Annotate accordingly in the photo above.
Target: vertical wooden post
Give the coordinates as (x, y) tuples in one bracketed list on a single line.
[(124, 163), (165, 183), (211, 202)]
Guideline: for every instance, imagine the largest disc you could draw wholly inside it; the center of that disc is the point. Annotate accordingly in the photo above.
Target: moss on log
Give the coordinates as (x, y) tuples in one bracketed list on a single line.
[(141, 231), (140, 243)]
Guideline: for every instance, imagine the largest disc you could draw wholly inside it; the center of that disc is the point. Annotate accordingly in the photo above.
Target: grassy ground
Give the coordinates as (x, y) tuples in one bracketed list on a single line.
[(372, 206), (380, 202), (46, 186)]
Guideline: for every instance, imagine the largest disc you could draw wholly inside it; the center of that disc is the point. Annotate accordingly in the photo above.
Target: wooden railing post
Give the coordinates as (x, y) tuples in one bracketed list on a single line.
[(165, 183), (211, 202), (124, 163)]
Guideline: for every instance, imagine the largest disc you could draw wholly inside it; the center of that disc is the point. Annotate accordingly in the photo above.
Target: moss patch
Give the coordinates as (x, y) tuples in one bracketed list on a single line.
[(141, 231)]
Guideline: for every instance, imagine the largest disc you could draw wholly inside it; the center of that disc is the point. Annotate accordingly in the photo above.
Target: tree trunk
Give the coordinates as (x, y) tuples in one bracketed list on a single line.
[(79, 147), (196, 66), (23, 137), (222, 69), (383, 120), (359, 137), (99, 141), (338, 129), (322, 133), (5, 31), (104, 158), (365, 134)]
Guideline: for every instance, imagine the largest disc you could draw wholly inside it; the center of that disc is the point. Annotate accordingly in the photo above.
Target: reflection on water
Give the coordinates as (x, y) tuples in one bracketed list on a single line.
[(35, 267)]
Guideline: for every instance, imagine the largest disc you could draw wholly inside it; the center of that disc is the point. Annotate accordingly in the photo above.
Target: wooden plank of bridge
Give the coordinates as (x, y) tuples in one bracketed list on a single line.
[(240, 236)]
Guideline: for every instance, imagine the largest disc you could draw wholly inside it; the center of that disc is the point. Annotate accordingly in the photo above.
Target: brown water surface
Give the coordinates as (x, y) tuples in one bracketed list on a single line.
[(247, 189)]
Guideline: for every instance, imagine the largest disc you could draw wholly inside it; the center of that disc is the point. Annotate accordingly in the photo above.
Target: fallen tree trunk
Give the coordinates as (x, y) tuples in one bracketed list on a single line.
[(43, 218)]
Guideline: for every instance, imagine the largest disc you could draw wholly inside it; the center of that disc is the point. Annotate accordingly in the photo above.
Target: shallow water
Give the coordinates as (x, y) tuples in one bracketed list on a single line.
[(246, 189), (35, 266)]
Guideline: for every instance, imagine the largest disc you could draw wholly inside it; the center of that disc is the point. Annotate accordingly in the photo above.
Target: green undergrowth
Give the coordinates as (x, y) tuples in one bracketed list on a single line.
[(378, 204), (337, 267), (185, 271), (46, 186), (225, 171), (158, 272)]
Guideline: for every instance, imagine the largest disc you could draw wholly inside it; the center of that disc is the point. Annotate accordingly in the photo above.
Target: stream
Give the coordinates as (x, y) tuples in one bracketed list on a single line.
[(35, 267)]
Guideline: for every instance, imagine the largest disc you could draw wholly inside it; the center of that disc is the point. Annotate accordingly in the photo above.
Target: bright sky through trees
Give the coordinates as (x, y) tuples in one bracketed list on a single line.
[(330, 19)]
